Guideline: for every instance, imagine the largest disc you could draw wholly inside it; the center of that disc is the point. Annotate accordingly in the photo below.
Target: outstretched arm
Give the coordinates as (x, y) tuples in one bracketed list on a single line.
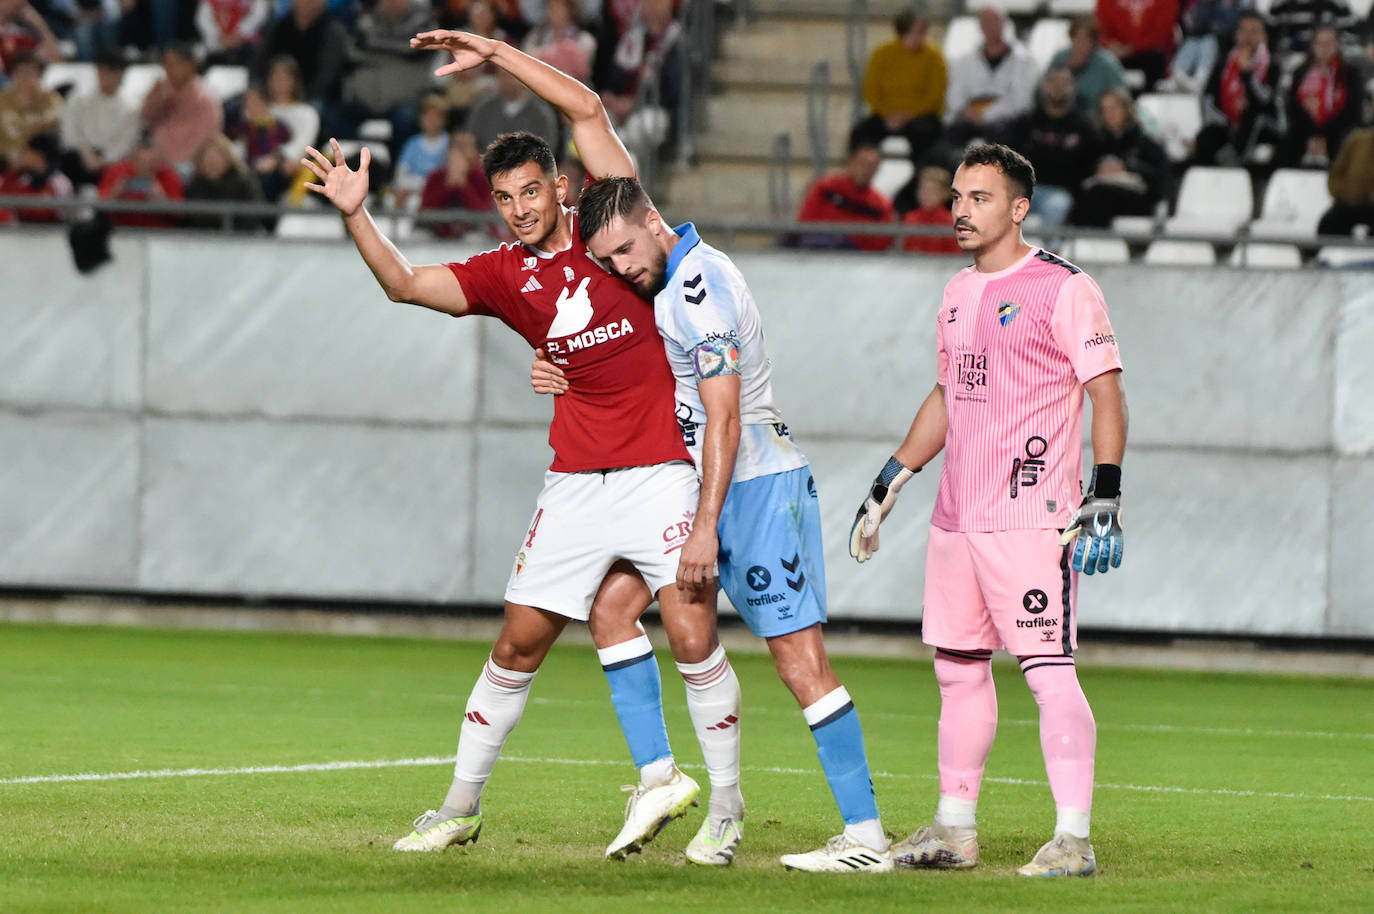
[(432, 286), (597, 144)]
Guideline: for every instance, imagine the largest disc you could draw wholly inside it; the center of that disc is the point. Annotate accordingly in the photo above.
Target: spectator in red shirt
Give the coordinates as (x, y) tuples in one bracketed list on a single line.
[(1324, 103), (848, 196), (34, 174), (1240, 108), (179, 110), (23, 31), (1141, 33), (142, 176), (932, 208), (460, 184)]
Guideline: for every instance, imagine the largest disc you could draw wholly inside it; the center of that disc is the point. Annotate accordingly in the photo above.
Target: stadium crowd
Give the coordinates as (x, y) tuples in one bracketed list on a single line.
[(218, 99), (1289, 88)]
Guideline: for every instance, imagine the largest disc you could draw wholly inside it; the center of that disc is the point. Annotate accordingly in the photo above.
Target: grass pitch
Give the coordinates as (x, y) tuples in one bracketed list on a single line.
[(1216, 792)]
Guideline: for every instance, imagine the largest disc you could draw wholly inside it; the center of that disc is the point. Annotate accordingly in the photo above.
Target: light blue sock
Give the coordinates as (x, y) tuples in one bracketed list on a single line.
[(840, 745), (637, 694)]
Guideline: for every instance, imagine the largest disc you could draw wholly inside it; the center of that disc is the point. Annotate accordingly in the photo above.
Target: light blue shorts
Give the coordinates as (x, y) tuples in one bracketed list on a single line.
[(771, 563)]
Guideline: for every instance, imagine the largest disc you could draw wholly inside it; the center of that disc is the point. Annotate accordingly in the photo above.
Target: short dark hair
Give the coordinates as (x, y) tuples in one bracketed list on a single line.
[(1252, 14), (1019, 172), (905, 19), (1087, 24), (511, 150), (606, 199), (111, 59), (183, 49), (862, 139)]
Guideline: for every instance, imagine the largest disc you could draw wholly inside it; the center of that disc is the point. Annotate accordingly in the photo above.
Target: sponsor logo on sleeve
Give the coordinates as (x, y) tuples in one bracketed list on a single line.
[(1099, 339)]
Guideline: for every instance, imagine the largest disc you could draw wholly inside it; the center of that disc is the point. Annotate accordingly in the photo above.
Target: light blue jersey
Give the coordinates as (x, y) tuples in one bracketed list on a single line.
[(771, 563)]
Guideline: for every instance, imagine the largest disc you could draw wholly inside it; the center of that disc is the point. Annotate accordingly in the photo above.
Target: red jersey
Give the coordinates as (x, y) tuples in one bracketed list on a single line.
[(619, 408)]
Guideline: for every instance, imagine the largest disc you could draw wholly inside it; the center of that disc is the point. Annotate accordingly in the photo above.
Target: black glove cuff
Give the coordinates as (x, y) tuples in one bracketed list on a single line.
[(1106, 482)]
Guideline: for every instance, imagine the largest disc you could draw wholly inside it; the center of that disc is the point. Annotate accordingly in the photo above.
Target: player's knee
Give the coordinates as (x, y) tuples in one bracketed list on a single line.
[(693, 646), (951, 669), (509, 654)]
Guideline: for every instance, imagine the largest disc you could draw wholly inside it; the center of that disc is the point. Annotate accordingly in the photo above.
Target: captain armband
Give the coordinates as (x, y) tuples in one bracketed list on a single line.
[(716, 357)]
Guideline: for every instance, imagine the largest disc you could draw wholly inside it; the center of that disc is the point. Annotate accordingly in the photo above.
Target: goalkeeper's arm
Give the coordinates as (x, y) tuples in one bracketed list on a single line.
[(1096, 530), (923, 441)]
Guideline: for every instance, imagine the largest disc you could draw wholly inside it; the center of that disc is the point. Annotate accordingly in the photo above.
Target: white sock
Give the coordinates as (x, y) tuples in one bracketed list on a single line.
[(656, 774), (1073, 821), (713, 700), (956, 811), (494, 708), (869, 833)]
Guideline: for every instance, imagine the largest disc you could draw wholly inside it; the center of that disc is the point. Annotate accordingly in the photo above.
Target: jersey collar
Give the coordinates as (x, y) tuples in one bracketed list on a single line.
[(687, 239)]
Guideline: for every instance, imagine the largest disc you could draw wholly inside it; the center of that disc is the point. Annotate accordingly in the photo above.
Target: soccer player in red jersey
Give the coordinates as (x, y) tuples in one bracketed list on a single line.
[(1021, 335), (618, 501)]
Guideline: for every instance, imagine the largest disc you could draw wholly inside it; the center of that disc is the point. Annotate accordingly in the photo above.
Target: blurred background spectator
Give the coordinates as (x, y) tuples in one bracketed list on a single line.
[(1094, 69), (560, 41), (179, 111), (1130, 172), (1240, 106), (99, 127), (904, 87), (23, 32), (26, 108), (1141, 33), (425, 152), (231, 29), (34, 173), (1058, 141), (265, 142), (459, 184), (1324, 103), (388, 76), (1205, 24), (465, 88), (286, 101), (847, 195), (646, 56), (991, 85), (932, 208), (311, 36), (1292, 23), (144, 175), (1351, 182), (219, 174), (508, 108)]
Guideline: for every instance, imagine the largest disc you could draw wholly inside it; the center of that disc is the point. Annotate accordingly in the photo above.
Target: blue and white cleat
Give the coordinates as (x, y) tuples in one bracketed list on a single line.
[(650, 809), (434, 834), (716, 842), (1066, 855)]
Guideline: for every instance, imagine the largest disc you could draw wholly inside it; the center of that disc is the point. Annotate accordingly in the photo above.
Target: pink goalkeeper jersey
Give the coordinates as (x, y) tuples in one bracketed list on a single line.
[(1015, 348)]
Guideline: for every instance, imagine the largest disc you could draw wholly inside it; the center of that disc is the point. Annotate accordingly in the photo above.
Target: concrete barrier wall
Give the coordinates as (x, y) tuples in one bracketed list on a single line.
[(236, 416)]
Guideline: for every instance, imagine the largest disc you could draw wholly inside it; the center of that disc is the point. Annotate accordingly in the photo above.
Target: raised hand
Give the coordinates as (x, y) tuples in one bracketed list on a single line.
[(340, 185), (468, 50)]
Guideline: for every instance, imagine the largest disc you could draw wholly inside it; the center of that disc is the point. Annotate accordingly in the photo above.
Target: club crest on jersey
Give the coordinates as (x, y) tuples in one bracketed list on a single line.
[(569, 274), (1007, 311), (574, 311), (675, 534), (531, 263)]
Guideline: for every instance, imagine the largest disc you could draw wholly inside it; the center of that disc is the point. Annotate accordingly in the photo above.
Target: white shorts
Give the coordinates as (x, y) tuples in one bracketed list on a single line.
[(584, 522)]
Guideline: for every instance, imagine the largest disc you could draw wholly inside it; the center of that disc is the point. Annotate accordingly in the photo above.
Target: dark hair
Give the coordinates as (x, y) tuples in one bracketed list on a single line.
[(183, 49), (1086, 24), (511, 150), (112, 60), (1019, 172), (604, 200), (905, 19), (862, 139), (26, 59), (1252, 14), (46, 145)]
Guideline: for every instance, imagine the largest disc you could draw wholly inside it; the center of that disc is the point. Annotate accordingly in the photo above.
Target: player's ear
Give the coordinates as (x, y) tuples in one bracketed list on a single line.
[(1020, 208), (654, 221), (560, 188)]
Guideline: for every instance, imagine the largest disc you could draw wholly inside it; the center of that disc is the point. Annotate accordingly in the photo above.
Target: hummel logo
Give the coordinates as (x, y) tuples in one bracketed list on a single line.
[(531, 286), (692, 284), (792, 567), (477, 718)]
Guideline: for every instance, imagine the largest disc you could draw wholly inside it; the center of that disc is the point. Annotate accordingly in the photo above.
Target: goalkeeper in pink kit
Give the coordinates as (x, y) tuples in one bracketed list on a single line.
[(1020, 335)]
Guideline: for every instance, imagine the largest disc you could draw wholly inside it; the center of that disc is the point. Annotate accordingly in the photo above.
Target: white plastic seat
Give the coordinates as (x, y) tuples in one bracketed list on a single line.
[(1133, 225), (1071, 8), (319, 225), (892, 175), (377, 129), (963, 36), (1177, 118), (138, 79), (1212, 201), (1274, 256), (1294, 203), (1047, 37), (225, 82), (80, 75), (895, 147), (1097, 250), (1338, 256), (1180, 253)]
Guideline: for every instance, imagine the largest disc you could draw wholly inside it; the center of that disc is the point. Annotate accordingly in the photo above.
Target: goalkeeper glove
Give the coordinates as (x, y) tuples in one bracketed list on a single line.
[(1096, 530), (863, 536)]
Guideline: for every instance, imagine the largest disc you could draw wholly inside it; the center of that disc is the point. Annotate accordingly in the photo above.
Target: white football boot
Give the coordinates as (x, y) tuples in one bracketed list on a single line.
[(941, 847), (715, 843), (433, 834), (841, 854), (1066, 855), (651, 808)]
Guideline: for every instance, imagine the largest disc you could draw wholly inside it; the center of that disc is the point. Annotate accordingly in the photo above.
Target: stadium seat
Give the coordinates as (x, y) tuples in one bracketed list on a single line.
[(1212, 201), (1097, 250), (1294, 203), (1071, 8), (1180, 253), (225, 82), (1176, 120), (312, 225), (1278, 256), (892, 175), (138, 79), (1047, 38), (1346, 257), (377, 130), (963, 37), (1361, 8), (1134, 225), (895, 146), (1020, 7), (78, 75)]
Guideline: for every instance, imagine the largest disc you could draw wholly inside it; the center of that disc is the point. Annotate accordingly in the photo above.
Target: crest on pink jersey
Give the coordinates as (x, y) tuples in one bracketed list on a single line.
[(1007, 311)]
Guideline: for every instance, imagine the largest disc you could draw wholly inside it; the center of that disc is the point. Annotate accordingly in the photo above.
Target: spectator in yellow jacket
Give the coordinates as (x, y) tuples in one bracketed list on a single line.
[(904, 87)]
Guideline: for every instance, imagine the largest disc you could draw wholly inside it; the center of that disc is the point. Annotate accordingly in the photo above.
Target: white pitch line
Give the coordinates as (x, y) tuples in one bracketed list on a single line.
[(448, 760)]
